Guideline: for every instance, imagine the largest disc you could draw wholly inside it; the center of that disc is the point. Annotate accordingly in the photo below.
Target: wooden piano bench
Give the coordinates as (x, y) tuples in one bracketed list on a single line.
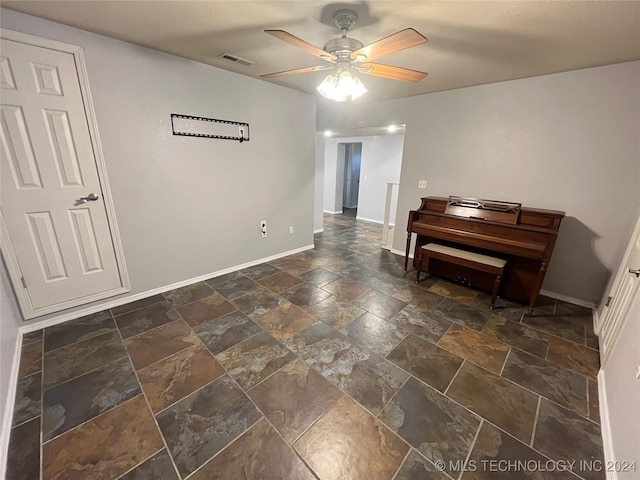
[(464, 258)]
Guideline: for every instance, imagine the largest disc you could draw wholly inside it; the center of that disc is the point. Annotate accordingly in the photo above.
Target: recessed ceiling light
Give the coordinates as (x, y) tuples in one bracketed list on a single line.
[(327, 133)]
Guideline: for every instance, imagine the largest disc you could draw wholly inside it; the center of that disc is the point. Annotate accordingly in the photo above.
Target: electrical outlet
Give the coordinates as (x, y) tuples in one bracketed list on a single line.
[(291, 230), (422, 184), (263, 228)]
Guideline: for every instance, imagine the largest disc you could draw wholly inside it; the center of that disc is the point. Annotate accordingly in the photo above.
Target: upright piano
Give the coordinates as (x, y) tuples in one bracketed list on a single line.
[(525, 237)]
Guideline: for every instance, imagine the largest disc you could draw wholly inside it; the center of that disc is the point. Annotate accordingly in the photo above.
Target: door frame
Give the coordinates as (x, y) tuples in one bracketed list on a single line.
[(11, 260)]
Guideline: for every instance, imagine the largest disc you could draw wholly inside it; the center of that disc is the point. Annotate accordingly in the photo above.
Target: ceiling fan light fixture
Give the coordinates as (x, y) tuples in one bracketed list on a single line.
[(341, 85)]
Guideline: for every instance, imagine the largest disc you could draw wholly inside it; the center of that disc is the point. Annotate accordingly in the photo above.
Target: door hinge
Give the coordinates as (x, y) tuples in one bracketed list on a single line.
[(24, 283), (608, 301)]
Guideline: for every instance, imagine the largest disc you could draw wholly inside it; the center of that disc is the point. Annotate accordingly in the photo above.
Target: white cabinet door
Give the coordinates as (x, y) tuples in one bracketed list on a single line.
[(53, 205)]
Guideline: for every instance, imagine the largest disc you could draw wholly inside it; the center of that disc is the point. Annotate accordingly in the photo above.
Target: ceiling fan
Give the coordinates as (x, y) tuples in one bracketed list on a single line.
[(348, 55)]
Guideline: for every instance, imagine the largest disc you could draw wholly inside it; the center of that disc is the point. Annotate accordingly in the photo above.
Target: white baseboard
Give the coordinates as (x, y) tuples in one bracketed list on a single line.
[(65, 317), (365, 219), (605, 427), (556, 296), (7, 415), (379, 222), (320, 230), (332, 213), (596, 321), (400, 252), (565, 298)]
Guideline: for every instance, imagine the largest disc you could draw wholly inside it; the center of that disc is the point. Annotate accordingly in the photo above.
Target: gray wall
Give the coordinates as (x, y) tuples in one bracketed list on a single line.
[(567, 141), (318, 195), (187, 207)]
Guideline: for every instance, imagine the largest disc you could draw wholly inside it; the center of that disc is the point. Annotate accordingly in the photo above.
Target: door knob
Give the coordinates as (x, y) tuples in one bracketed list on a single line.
[(636, 272), (92, 197)]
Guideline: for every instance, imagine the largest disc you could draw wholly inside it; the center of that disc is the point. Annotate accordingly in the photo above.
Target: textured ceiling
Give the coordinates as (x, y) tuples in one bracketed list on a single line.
[(470, 42)]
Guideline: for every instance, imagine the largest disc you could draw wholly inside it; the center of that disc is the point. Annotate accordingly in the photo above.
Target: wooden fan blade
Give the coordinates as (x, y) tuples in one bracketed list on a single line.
[(298, 42), (296, 70), (387, 71), (401, 40)]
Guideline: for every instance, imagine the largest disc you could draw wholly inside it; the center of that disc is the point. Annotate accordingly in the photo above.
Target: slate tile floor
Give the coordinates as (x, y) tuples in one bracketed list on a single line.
[(327, 364)]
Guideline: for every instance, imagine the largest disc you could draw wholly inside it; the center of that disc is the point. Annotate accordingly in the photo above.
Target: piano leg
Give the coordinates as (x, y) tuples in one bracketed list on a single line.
[(406, 253), (536, 288), (494, 293)]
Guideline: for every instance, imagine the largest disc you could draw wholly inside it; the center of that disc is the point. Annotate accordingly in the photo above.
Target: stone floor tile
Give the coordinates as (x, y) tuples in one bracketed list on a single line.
[(146, 318), (294, 397), (188, 294), (348, 442), (498, 400), (202, 424), (252, 360), (205, 309), (78, 330), (430, 422), (154, 345), (106, 446), (430, 363), (259, 453), (71, 403), (173, 378), (475, 347)]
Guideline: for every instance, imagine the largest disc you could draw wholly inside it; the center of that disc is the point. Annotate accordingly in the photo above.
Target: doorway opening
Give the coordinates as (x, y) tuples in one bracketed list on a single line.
[(360, 176), (352, 155)]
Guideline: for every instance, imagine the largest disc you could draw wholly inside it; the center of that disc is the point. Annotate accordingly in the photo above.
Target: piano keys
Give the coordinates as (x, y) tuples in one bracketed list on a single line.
[(523, 236)]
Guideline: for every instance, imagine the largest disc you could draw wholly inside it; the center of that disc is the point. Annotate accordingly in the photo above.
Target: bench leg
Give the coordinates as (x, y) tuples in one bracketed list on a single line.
[(496, 289), (421, 260)]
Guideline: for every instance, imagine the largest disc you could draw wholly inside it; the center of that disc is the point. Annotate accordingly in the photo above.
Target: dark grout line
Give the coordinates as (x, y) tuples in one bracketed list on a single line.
[(155, 421)]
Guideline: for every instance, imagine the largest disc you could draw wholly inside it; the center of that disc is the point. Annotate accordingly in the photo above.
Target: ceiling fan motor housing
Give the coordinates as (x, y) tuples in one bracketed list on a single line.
[(342, 46)]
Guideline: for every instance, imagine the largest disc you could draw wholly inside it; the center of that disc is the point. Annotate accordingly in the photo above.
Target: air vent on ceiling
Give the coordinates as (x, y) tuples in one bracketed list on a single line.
[(235, 59)]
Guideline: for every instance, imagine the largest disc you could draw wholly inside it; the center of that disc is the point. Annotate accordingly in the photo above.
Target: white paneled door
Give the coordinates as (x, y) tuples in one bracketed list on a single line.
[(624, 293), (53, 204)]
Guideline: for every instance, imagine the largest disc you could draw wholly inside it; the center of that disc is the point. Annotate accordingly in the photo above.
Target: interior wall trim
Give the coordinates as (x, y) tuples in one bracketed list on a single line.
[(400, 252), (7, 415), (605, 426), (380, 222), (566, 298), (65, 317)]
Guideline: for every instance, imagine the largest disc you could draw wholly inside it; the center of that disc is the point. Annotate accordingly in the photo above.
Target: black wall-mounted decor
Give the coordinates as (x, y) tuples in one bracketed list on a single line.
[(190, 126)]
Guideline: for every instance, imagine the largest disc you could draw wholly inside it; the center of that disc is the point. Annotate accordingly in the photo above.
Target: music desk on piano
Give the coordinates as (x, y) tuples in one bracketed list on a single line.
[(523, 236)]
